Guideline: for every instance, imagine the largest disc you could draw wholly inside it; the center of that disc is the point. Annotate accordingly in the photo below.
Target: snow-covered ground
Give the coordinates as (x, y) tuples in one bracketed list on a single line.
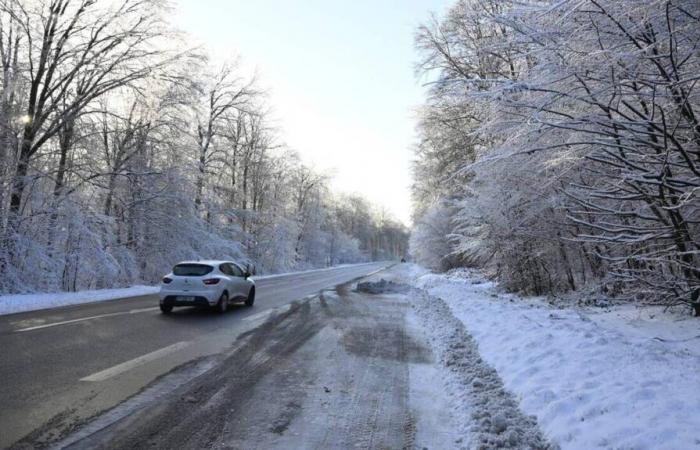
[(617, 378), (10, 304)]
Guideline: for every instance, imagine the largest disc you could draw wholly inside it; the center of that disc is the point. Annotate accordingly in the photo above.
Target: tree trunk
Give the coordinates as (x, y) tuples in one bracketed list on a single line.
[(19, 181), (65, 142), (111, 186)]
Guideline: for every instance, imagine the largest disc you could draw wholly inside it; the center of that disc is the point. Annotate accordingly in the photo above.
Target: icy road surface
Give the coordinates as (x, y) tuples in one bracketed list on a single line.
[(341, 370), (61, 367)]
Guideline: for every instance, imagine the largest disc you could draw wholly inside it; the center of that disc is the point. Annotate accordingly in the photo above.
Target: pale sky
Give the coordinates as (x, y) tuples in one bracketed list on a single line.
[(340, 77)]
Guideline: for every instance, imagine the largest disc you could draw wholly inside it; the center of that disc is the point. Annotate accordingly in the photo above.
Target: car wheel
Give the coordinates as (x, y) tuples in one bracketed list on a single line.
[(222, 304), (251, 297), (166, 309)]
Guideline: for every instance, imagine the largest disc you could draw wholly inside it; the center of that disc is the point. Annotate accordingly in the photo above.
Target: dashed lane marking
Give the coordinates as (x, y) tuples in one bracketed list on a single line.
[(83, 319), (136, 362)]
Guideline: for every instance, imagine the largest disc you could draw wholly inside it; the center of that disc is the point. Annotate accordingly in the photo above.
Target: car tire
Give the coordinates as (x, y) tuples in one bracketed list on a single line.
[(166, 309), (251, 297), (222, 304)]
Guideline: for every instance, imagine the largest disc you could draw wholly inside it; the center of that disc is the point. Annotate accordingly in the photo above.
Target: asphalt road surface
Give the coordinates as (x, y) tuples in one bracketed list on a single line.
[(331, 373), (61, 367)]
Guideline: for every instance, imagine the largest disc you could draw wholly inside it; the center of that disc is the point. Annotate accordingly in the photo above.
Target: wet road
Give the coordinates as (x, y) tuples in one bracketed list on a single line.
[(337, 371), (62, 366)]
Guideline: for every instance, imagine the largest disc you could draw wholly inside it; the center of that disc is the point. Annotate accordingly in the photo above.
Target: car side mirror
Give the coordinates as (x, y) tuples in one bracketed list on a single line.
[(246, 274)]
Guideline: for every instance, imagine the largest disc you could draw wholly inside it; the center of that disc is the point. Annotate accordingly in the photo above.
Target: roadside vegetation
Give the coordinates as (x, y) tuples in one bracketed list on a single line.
[(559, 146), (123, 150)]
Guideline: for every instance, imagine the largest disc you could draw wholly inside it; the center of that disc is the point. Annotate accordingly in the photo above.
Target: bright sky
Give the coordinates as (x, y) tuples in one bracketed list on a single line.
[(340, 77)]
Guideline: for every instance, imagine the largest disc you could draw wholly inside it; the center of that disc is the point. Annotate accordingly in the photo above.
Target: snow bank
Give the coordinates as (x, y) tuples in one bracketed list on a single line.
[(616, 378), (10, 304), (489, 416)]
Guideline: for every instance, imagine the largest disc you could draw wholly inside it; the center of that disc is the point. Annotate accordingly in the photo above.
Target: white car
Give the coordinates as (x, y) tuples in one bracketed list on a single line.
[(206, 283)]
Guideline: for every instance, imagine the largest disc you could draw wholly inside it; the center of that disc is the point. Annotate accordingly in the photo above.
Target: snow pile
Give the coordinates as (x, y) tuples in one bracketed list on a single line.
[(491, 417), (616, 378), (10, 304)]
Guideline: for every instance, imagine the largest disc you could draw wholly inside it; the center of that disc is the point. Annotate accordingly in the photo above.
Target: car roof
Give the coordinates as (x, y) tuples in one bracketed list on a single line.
[(208, 262)]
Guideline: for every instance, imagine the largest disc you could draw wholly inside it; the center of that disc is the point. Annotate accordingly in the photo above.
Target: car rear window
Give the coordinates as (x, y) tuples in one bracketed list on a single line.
[(192, 270)]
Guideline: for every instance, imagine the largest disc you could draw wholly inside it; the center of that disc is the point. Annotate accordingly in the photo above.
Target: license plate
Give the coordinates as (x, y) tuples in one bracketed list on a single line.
[(184, 298)]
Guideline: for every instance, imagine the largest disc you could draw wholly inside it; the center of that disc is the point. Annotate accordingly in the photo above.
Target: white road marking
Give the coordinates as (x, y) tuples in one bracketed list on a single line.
[(65, 322), (136, 362), (259, 315), (82, 319), (136, 311)]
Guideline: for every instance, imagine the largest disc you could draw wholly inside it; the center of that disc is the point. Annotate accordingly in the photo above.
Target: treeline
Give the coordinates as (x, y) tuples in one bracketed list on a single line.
[(560, 145), (121, 153)]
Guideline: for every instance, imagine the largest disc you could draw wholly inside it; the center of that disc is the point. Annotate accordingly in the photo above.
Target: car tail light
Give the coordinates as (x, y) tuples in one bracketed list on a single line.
[(209, 281), (167, 280)]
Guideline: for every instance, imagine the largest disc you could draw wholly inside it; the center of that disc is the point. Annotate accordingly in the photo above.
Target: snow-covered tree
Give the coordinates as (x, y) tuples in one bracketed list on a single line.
[(582, 165), (122, 152)]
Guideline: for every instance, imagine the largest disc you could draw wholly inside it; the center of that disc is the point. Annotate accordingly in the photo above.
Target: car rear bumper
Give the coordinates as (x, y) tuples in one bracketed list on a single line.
[(199, 297), (177, 300)]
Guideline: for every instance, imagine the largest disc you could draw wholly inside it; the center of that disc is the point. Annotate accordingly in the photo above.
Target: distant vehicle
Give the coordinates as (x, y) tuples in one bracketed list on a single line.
[(214, 284)]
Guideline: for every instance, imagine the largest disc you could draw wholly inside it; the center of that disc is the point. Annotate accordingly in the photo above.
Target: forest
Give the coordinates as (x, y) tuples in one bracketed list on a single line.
[(124, 150), (559, 146)]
